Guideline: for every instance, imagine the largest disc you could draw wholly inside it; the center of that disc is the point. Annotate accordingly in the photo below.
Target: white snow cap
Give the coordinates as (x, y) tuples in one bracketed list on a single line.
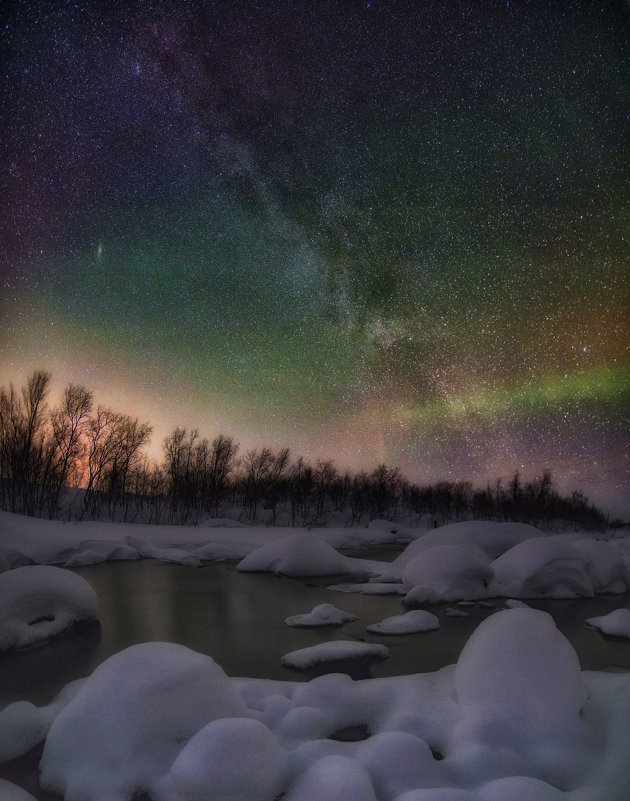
[(41, 601), (519, 667), (445, 573), (411, 622), (321, 615), (297, 555), (134, 712), (615, 624), (332, 651), (230, 759)]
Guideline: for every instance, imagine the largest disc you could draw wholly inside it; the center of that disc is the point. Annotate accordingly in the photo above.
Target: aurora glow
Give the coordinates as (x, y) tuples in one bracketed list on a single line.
[(370, 231)]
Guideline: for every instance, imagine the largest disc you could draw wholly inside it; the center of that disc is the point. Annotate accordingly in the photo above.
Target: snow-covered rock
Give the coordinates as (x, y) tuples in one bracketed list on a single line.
[(542, 568), (298, 555), (445, 573), (334, 778), (493, 537), (615, 624), (519, 668), (41, 601), (321, 615), (605, 566), (334, 651), (11, 792), (126, 725), (409, 623), (230, 759)]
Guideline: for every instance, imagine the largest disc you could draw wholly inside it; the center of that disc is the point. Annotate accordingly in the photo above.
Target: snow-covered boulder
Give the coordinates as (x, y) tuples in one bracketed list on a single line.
[(394, 570), (297, 555), (321, 615), (229, 759), (519, 668), (605, 566), (41, 601), (334, 778), (542, 568), (411, 622), (492, 536), (445, 573), (334, 651), (615, 624), (126, 725)]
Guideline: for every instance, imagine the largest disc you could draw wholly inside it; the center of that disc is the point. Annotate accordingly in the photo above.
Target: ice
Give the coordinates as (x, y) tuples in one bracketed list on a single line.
[(542, 568), (134, 712), (445, 573), (230, 759), (332, 652), (298, 555), (615, 624), (321, 615), (11, 792), (39, 602), (413, 621)]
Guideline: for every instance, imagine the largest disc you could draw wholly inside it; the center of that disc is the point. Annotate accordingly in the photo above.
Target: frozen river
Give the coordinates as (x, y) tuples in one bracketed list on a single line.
[(238, 619)]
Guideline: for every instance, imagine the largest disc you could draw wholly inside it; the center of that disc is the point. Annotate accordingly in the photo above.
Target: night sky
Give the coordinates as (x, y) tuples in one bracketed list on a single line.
[(374, 231)]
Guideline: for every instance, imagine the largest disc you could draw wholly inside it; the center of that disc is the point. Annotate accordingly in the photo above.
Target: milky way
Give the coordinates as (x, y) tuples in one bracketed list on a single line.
[(378, 231)]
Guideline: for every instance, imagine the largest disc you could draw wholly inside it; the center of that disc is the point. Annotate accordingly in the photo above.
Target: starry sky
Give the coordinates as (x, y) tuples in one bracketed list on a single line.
[(370, 231)]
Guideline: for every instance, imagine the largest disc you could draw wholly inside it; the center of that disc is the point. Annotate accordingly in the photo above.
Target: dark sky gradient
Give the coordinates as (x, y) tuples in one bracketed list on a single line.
[(376, 231)]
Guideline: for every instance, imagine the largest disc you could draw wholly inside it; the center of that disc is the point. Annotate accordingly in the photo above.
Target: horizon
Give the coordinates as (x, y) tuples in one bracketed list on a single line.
[(377, 236)]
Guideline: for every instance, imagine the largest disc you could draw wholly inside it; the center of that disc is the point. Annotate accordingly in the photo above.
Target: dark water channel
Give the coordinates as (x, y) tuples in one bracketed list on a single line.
[(238, 619)]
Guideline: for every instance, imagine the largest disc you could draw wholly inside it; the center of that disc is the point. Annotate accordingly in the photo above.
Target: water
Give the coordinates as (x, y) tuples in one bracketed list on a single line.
[(238, 619)]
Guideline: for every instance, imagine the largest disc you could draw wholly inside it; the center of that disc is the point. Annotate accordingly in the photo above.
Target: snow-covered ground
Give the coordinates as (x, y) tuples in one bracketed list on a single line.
[(514, 720)]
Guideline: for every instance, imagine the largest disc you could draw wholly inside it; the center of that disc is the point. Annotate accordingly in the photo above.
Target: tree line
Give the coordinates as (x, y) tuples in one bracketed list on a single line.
[(77, 460)]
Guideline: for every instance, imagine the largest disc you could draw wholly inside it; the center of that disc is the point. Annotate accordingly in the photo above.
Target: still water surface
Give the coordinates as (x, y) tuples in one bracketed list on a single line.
[(238, 620)]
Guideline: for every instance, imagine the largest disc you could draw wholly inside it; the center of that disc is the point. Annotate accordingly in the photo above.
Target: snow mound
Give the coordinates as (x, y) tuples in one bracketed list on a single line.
[(542, 568), (322, 615), (409, 623), (493, 537), (445, 573), (134, 712), (395, 570), (517, 666), (334, 778), (297, 555), (39, 602), (334, 651), (605, 566), (616, 623), (230, 759)]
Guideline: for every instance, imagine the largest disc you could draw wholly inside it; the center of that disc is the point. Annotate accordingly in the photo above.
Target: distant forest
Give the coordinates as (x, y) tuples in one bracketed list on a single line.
[(79, 461)]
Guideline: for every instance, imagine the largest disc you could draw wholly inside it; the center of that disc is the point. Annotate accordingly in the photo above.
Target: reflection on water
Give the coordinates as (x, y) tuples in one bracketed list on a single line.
[(238, 619)]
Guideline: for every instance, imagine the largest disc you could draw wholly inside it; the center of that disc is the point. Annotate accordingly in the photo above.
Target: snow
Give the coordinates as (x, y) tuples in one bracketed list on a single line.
[(321, 615), (409, 623), (605, 566), (298, 555), (615, 624), (332, 652), (134, 712), (542, 568), (230, 759), (445, 573), (515, 719), (39, 602)]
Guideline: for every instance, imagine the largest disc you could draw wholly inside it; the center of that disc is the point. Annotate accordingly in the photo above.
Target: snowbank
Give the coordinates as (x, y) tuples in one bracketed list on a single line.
[(39, 602), (411, 622), (321, 615), (334, 651), (615, 624)]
